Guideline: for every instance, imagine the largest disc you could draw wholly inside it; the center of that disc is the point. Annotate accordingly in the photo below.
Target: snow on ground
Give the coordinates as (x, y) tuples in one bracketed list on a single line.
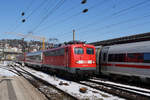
[(133, 87), (73, 88), (5, 72), (5, 63)]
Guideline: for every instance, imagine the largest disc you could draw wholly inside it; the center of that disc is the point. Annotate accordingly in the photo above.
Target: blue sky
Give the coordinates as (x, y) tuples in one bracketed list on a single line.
[(105, 19)]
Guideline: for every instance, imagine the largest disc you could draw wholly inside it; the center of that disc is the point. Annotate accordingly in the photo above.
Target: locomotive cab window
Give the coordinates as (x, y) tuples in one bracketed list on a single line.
[(90, 51), (78, 50)]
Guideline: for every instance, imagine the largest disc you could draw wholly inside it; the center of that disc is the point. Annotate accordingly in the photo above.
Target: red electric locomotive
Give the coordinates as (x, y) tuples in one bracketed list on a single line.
[(76, 59)]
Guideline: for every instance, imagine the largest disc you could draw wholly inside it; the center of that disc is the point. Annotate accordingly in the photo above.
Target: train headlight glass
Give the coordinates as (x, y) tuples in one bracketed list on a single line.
[(80, 62)]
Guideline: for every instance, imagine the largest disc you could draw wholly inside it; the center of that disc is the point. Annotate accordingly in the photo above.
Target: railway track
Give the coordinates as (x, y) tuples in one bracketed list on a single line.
[(119, 90), (132, 88), (43, 86), (95, 93)]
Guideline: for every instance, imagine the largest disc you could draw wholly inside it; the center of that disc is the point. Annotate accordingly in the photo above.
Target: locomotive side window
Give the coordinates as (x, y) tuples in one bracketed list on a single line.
[(78, 50), (49, 53), (90, 51), (59, 52)]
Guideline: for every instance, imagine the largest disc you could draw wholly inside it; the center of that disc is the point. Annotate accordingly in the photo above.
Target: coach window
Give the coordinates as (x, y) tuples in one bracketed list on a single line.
[(90, 51), (104, 57), (146, 57), (131, 55), (78, 50), (135, 57), (121, 57), (140, 57), (111, 57)]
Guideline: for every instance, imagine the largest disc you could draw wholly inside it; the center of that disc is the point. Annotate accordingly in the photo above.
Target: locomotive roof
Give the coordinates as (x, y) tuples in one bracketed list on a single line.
[(137, 47), (39, 52), (67, 46)]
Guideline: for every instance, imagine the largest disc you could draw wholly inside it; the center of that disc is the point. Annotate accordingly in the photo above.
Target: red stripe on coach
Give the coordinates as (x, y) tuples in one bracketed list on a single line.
[(128, 65)]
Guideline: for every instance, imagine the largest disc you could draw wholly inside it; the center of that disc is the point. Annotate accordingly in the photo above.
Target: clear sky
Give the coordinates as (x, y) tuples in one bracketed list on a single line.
[(105, 19)]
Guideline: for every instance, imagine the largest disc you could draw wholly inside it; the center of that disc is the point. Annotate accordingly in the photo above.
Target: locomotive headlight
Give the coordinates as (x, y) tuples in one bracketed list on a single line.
[(80, 62), (85, 62), (89, 61)]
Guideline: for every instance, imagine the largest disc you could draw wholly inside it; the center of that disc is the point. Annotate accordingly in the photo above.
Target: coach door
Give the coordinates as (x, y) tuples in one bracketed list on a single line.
[(98, 57), (104, 58)]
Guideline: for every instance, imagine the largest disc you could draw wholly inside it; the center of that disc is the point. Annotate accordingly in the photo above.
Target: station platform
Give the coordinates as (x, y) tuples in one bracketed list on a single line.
[(17, 88)]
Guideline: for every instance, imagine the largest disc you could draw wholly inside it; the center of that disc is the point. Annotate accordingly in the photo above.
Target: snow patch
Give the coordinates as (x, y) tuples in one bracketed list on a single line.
[(5, 72), (73, 87)]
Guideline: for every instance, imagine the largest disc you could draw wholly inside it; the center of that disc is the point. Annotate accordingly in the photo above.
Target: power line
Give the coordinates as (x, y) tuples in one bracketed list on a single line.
[(131, 27), (46, 8), (58, 5), (87, 24), (37, 8), (119, 23), (48, 5), (28, 7), (136, 25), (131, 7), (63, 20), (64, 12), (124, 10), (110, 25), (120, 11), (114, 14), (74, 15)]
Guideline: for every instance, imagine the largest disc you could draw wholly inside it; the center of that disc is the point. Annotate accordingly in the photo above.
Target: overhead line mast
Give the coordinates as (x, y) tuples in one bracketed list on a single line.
[(73, 35)]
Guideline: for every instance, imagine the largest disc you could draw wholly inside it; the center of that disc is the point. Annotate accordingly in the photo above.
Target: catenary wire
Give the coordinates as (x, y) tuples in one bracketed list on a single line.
[(58, 5), (72, 16), (120, 11), (112, 25)]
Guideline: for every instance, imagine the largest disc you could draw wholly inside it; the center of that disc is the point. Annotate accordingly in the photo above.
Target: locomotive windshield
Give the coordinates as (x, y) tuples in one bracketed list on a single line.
[(78, 50), (90, 51)]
